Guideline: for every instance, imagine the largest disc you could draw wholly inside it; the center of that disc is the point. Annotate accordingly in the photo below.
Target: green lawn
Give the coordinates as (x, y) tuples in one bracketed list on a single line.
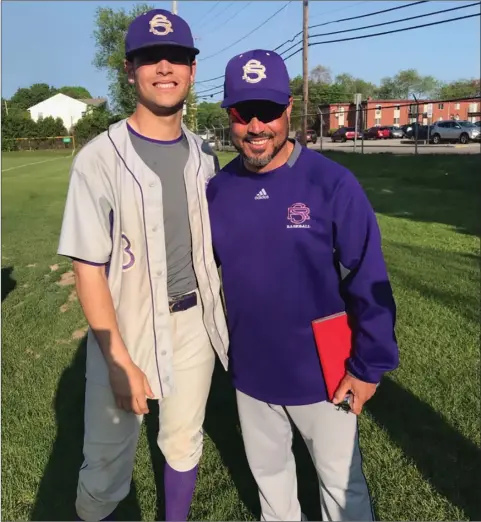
[(420, 434)]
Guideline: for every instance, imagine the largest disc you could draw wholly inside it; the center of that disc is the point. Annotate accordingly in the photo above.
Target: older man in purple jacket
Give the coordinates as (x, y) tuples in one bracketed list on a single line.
[(297, 239)]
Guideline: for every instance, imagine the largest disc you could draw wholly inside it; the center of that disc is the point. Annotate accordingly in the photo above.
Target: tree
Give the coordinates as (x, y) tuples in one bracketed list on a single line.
[(26, 97), (210, 114), (50, 127), (96, 121), (407, 83), (320, 74), (349, 85), (18, 124), (460, 89), (79, 93), (191, 110), (110, 29)]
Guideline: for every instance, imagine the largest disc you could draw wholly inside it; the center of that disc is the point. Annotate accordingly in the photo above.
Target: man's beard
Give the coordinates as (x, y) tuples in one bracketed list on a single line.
[(260, 161)]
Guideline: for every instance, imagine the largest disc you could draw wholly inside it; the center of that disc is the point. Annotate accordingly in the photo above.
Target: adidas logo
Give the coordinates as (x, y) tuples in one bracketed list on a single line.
[(262, 194)]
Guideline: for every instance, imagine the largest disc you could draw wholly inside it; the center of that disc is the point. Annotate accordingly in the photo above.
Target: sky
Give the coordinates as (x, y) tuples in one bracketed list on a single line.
[(52, 42)]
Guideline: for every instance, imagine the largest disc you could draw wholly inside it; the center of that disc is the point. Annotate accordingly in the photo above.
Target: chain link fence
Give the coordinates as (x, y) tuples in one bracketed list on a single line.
[(217, 136)]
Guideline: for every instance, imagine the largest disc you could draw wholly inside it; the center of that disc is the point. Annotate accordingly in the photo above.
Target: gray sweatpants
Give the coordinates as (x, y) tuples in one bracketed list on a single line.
[(332, 440)]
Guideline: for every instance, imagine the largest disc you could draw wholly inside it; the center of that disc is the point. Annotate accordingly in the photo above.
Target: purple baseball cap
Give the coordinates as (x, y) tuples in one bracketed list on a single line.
[(256, 75), (158, 27)]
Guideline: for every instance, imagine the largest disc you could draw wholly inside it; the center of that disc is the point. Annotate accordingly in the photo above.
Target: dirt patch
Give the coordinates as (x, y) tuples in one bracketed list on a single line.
[(54, 268), (78, 334), (62, 341), (26, 285), (32, 265), (67, 279), (71, 298)]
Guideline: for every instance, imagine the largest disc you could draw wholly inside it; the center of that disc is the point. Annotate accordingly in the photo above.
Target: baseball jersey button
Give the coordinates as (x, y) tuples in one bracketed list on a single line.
[(151, 184), (154, 229), (163, 352)]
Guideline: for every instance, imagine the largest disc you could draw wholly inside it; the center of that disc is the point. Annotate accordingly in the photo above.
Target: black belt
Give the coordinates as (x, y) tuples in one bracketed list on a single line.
[(184, 302)]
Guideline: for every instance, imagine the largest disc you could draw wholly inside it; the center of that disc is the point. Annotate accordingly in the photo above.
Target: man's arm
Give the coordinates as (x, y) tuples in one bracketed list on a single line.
[(96, 301), (366, 290), (86, 238)]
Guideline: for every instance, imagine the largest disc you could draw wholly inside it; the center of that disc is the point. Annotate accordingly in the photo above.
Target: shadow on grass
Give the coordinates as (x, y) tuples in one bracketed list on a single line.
[(427, 188), (8, 283), (58, 487), (445, 458), (222, 426), (446, 277)]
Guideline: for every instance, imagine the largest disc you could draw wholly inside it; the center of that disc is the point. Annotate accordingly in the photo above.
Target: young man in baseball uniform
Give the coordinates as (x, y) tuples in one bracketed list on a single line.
[(297, 240), (136, 224)]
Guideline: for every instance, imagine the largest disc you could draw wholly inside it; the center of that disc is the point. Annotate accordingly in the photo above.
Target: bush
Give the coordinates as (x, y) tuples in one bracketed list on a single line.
[(18, 124), (96, 121)]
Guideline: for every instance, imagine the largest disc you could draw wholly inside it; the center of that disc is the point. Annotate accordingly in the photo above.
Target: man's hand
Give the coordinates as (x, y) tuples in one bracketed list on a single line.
[(360, 392), (130, 387)]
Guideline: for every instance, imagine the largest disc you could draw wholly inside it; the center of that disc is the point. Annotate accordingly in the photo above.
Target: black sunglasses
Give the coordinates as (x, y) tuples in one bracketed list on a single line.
[(264, 111), (173, 54)]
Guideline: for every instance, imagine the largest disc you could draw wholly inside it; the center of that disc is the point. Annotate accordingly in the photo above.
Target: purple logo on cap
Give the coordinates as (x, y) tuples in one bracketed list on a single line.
[(160, 21), (254, 71)]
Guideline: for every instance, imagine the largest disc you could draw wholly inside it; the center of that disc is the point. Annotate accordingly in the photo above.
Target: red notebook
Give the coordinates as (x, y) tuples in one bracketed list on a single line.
[(333, 338)]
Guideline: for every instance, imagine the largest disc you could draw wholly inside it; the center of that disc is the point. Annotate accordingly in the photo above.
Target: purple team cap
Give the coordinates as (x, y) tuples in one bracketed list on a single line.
[(158, 27), (256, 75)]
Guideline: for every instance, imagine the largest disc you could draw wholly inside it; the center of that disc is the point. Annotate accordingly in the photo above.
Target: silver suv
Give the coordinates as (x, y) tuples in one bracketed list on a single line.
[(454, 130)]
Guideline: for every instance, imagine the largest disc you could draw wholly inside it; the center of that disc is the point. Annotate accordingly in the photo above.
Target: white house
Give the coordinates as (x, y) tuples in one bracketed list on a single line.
[(61, 106)]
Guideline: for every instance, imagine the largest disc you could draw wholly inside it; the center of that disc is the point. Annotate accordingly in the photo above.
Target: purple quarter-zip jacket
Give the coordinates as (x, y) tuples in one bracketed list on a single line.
[(294, 244)]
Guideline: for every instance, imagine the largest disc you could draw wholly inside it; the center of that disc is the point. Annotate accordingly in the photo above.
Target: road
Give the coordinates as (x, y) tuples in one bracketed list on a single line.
[(394, 146), (397, 146)]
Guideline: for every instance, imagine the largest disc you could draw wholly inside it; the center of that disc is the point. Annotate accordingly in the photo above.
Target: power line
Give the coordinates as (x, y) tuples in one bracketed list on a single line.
[(231, 17), (340, 9), (385, 32), (359, 37), (323, 24), (352, 18), (384, 23), (209, 11), (226, 7), (350, 39), (249, 33), (211, 94), (211, 79)]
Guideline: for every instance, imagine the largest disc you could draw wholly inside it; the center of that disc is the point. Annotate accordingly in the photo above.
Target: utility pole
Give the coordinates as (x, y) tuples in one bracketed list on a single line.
[(305, 70), (174, 6), (417, 126)]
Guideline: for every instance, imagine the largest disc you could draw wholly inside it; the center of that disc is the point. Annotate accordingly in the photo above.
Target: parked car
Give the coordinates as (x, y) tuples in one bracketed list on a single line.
[(406, 129), (345, 133), (411, 132), (395, 132), (311, 136), (377, 133), (454, 130)]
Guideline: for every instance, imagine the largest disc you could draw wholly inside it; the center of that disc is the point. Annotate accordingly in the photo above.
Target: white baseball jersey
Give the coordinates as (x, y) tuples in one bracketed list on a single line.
[(114, 216)]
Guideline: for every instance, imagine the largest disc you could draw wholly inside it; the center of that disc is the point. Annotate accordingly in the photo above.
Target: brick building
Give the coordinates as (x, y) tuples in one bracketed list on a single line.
[(396, 112)]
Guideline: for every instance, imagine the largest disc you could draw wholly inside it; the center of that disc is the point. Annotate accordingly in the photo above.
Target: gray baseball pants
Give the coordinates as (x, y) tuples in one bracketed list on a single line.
[(331, 437)]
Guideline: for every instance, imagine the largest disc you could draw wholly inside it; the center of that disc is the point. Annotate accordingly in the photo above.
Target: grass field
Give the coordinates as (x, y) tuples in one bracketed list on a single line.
[(420, 434)]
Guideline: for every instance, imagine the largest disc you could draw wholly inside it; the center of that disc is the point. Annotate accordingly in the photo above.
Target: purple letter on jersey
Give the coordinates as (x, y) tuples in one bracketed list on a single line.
[(130, 254)]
